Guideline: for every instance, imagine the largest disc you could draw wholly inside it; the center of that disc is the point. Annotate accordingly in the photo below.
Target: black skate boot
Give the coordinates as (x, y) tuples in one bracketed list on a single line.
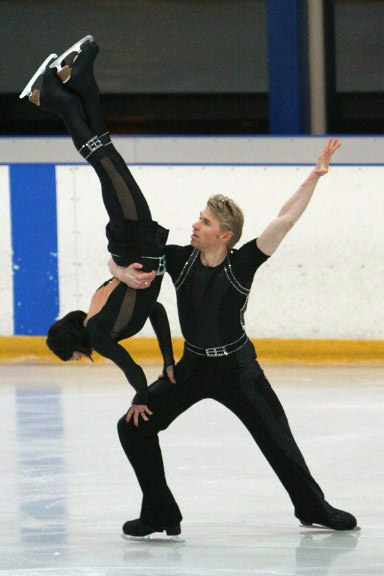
[(64, 64), (75, 69), (138, 530), (30, 89), (54, 98), (329, 517)]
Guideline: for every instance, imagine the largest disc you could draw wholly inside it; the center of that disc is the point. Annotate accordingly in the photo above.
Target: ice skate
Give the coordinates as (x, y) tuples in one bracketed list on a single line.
[(33, 93), (75, 70), (62, 66), (328, 518), (139, 531), (79, 76), (52, 96)]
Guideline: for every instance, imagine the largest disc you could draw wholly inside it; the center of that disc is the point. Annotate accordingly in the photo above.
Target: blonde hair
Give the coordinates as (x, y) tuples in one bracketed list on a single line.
[(229, 216)]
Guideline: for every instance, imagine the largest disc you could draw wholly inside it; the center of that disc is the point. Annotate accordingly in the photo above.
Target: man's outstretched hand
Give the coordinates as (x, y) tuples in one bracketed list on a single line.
[(325, 157)]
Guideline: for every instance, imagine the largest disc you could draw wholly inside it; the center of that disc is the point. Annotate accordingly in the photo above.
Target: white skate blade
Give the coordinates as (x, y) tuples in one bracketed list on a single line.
[(321, 527), (75, 48), (315, 527), (41, 69), (151, 538)]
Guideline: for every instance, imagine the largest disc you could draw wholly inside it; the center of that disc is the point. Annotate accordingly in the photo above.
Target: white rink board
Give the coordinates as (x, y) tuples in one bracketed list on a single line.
[(81, 219), (325, 281), (6, 276)]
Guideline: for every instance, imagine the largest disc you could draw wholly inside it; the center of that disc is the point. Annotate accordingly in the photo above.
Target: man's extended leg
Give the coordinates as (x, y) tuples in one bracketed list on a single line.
[(258, 407), (159, 509)]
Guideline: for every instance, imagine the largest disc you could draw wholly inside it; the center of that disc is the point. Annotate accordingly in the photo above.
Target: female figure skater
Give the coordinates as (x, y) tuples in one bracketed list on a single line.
[(116, 311)]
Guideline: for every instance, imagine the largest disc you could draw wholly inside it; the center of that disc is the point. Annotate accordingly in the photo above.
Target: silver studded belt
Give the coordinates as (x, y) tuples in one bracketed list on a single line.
[(161, 267), (218, 351)]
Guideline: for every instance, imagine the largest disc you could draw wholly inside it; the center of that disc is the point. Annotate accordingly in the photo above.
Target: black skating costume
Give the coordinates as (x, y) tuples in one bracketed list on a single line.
[(132, 234), (219, 362)]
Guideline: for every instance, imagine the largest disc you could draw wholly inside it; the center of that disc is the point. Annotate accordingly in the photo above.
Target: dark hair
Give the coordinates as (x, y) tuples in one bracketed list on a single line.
[(68, 335)]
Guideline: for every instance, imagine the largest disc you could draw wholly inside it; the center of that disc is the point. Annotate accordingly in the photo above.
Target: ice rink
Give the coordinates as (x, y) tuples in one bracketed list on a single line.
[(66, 487)]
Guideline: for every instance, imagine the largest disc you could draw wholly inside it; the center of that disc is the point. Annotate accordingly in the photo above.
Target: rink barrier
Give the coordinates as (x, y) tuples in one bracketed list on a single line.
[(32, 349), (49, 260)]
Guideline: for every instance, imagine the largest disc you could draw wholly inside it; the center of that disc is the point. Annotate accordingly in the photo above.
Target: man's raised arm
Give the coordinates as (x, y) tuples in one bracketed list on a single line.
[(291, 211)]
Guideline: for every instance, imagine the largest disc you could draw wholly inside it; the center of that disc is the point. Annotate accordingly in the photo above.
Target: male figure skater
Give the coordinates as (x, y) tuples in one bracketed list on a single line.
[(212, 282)]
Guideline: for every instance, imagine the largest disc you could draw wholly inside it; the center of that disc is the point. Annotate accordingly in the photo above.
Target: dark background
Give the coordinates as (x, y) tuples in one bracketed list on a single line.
[(188, 66)]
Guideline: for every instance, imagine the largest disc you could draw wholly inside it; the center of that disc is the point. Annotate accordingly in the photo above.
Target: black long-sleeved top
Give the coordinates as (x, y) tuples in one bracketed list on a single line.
[(122, 316)]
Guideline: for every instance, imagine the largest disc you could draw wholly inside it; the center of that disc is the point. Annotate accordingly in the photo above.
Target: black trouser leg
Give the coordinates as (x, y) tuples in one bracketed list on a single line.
[(141, 446), (257, 406), (159, 507)]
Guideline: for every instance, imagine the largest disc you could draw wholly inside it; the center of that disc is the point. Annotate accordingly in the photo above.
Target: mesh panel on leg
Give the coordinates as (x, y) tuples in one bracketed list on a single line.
[(125, 312), (130, 197)]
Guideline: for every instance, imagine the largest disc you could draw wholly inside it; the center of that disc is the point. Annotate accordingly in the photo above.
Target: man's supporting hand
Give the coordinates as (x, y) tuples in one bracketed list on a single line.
[(132, 275)]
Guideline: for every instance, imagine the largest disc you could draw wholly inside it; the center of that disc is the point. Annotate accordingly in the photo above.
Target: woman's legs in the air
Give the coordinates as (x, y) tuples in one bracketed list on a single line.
[(77, 102), (79, 78)]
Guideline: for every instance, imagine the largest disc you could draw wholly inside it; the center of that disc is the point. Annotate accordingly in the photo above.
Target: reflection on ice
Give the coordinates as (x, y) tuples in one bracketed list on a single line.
[(66, 487), (40, 444)]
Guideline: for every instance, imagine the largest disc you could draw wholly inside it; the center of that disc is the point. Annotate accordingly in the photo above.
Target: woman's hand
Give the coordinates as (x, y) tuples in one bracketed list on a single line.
[(170, 373), (136, 411)]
